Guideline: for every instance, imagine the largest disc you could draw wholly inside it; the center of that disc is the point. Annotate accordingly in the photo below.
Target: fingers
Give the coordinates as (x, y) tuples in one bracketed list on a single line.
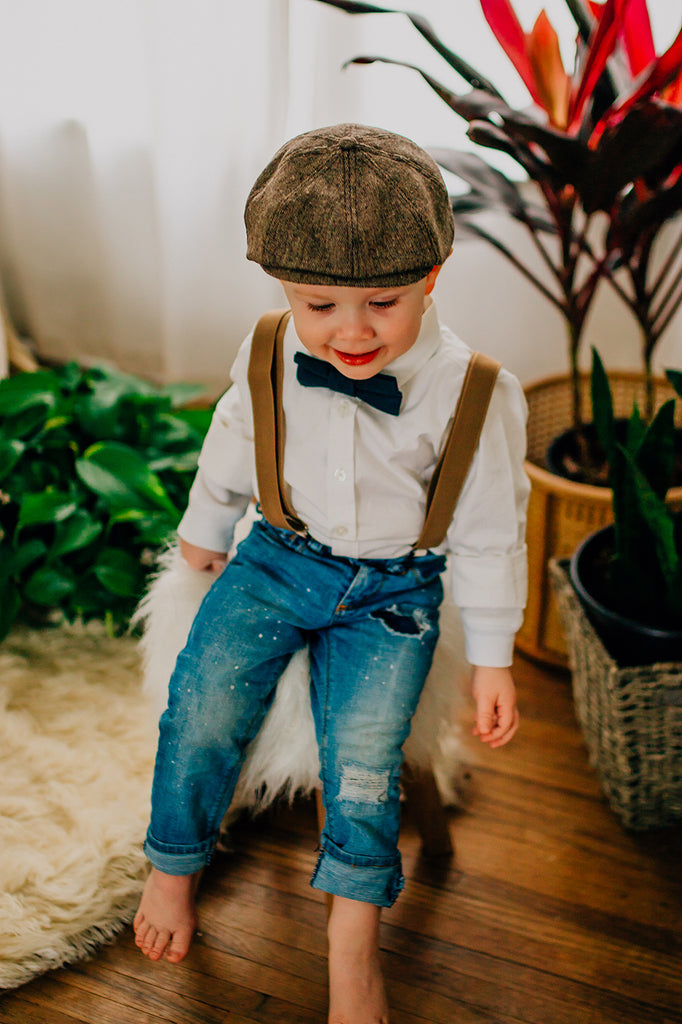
[(498, 726)]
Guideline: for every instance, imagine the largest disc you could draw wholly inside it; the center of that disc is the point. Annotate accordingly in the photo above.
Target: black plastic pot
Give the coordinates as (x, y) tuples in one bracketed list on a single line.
[(628, 641)]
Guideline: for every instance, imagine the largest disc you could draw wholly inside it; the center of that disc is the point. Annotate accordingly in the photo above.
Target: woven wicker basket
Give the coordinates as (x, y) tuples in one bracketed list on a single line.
[(562, 513), (631, 720)]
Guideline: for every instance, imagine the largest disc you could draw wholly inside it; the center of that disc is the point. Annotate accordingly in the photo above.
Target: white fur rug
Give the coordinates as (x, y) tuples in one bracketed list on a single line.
[(76, 756)]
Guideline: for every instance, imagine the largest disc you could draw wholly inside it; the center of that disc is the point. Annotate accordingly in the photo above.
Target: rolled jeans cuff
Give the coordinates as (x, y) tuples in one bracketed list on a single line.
[(362, 878), (177, 860)]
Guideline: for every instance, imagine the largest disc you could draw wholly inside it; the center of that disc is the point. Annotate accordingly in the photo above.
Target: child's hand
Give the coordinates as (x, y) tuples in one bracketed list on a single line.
[(202, 558), (497, 716)]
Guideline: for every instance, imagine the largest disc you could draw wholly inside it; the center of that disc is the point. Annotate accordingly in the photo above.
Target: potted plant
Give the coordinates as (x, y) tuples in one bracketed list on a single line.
[(629, 575), (621, 601), (95, 466), (605, 162)]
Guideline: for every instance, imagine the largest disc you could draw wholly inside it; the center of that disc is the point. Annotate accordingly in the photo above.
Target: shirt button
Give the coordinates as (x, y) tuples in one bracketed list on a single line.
[(340, 475), (340, 531)]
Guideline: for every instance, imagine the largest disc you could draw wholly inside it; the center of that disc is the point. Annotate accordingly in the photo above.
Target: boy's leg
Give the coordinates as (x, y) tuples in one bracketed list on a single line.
[(356, 985), (219, 693), (368, 673)]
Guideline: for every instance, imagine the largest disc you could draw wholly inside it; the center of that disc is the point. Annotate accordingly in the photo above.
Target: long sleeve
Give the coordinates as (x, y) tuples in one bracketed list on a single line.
[(486, 540), (223, 485)]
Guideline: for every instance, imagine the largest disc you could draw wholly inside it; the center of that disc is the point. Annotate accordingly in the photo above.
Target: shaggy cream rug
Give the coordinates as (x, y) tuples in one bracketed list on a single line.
[(76, 757)]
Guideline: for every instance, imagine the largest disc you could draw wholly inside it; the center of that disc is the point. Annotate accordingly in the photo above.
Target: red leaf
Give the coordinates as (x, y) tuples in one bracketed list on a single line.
[(663, 73), (502, 19), (553, 84), (673, 93), (638, 38), (599, 49)]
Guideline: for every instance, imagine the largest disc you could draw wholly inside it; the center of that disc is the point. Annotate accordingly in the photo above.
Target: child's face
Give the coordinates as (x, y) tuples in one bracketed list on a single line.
[(358, 330)]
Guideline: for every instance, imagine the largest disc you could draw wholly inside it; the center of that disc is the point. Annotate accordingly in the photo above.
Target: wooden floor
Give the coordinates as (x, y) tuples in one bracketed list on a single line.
[(549, 913)]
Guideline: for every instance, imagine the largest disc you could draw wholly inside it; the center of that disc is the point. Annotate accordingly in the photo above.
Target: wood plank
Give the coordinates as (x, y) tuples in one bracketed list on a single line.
[(549, 912)]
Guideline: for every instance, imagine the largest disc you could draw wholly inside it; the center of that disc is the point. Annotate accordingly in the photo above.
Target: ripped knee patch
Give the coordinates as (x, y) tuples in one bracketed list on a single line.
[(364, 785), (396, 621)]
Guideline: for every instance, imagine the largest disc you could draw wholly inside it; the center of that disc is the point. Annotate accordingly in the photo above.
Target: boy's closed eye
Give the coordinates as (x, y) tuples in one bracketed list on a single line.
[(326, 307)]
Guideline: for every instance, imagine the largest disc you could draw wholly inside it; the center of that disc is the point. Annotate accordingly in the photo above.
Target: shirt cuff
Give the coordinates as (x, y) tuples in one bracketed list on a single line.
[(489, 635), (490, 581)]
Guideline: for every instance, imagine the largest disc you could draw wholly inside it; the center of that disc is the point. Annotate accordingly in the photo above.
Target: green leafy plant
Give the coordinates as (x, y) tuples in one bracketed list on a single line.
[(95, 468), (644, 574)]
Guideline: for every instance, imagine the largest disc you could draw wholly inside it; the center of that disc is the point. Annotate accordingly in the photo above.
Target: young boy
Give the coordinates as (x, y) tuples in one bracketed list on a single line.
[(356, 223)]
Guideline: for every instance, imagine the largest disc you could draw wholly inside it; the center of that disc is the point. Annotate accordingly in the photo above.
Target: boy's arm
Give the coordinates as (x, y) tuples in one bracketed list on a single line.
[(202, 558), (497, 716), (223, 485)]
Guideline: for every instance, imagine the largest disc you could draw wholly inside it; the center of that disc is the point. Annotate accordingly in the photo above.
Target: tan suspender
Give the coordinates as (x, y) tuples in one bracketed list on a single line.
[(265, 382), (266, 370), (458, 451)]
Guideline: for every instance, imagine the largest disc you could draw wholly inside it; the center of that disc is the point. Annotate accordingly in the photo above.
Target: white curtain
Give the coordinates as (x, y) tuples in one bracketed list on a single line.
[(132, 130), (130, 133)]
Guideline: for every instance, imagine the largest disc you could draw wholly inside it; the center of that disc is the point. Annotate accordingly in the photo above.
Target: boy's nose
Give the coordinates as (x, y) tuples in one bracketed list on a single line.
[(354, 327)]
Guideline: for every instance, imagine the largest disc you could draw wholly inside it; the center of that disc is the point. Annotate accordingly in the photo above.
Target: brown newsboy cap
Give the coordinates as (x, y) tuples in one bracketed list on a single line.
[(349, 205)]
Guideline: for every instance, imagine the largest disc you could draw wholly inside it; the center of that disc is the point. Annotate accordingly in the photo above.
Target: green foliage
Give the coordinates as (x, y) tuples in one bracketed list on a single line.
[(645, 573), (95, 468)]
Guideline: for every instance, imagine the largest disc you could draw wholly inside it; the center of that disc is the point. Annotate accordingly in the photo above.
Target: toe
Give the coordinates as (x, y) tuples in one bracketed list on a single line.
[(180, 943), (141, 927), (159, 945)]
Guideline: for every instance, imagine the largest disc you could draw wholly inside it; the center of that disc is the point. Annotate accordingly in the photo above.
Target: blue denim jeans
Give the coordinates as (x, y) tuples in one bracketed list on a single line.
[(371, 627)]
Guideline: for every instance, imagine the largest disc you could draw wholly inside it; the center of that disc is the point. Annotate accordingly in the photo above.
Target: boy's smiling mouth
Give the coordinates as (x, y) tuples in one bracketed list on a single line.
[(357, 359)]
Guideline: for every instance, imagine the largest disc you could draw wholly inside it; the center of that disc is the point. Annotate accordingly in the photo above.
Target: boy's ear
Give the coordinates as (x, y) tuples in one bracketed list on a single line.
[(431, 278)]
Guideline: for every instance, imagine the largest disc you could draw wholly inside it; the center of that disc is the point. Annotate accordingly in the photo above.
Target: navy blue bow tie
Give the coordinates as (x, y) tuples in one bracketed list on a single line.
[(379, 391)]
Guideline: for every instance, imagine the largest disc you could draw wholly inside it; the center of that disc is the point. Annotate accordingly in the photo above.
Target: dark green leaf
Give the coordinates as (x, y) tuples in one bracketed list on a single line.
[(48, 586), (675, 378), (118, 572), (122, 477), (602, 405), (636, 430), (169, 430), (15, 560), (154, 528), (48, 507), (27, 390), (26, 422), (627, 518), (69, 375), (198, 419), (10, 453), (656, 454), (76, 532), (657, 517)]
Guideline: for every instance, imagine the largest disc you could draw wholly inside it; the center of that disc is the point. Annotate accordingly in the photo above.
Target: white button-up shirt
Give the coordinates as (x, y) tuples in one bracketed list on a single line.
[(358, 477)]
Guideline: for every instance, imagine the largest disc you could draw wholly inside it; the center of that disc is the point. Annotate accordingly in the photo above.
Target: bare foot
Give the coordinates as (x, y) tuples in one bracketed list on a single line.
[(166, 919), (356, 985)]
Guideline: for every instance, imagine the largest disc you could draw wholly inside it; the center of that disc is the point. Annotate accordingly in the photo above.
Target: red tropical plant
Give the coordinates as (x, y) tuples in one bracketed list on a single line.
[(592, 146)]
